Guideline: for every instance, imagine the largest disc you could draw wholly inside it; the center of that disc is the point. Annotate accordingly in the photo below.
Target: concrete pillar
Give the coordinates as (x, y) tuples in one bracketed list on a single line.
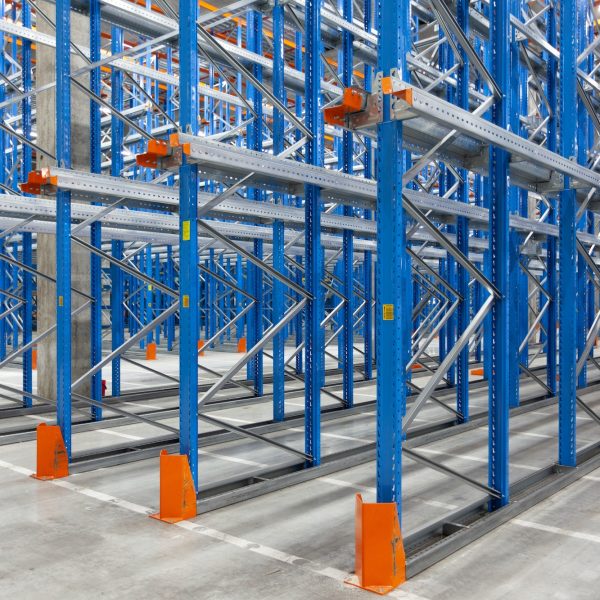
[(46, 243)]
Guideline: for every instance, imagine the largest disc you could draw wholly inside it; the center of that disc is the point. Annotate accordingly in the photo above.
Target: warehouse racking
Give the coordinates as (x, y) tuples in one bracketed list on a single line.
[(395, 190)]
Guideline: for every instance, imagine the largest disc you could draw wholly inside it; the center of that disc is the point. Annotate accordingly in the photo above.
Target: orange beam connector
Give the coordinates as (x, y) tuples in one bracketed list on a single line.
[(157, 150), (174, 142), (37, 180), (162, 154), (353, 101), (404, 93)]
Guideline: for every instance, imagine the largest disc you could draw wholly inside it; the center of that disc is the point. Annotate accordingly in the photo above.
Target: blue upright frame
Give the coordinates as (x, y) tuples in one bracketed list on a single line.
[(501, 372), (567, 266), (188, 241), (63, 222), (96, 227), (117, 277), (315, 340), (393, 268)]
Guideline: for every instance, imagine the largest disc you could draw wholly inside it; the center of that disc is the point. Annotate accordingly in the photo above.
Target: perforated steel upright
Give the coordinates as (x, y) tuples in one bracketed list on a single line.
[(393, 268), (278, 301), (63, 222), (96, 228), (312, 235), (27, 238), (567, 266), (188, 241), (500, 385)]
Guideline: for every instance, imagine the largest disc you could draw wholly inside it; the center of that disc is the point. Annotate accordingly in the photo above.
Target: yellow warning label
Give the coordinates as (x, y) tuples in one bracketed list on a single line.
[(185, 301), (388, 312), (185, 231), (150, 288), (61, 301)]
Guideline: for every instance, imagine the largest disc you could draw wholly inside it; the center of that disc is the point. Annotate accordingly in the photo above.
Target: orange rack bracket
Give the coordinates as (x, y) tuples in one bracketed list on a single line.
[(353, 101), (177, 492), (404, 93), (52, 459), (380, 559), (241, 345), (157, 150), (162, 154), (37, 180)]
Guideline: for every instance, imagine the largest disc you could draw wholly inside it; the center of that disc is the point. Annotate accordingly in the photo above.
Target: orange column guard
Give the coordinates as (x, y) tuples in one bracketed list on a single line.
[(380, 559), (52, 459), (151, 351), (177, 492)]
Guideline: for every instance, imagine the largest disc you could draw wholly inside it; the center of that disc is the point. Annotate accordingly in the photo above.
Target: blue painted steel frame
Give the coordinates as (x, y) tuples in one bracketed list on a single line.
[(393, 267), (583, 122), (254, 141), (96, 228), (63, 222), (347, 157), (188, 241), (278, 300), (462, 232), (315, 340), (27, 237), (551, 255), (117, 276), (500, 372), (514, 195), (567, 267)]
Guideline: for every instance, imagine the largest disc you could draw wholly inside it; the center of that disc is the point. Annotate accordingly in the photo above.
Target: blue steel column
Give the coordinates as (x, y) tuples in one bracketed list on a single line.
[(582, 157), (551, 256), (117, 295), (188, 241), (96, 228), (27, 237), (462, 232), (500, 373), (255, 134), (514, 194), (567, 284), (239, 297), (278, 227), (298, 58), (170, 266), (63, 222), (315, 340), (348, 237), (393, 269), (368, 256)]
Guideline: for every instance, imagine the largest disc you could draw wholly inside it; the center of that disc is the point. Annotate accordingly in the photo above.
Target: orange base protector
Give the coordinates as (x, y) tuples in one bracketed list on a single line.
[(380, 558), (177, 492), (52, 459), (151, 351), (201, 347), (241, 346)]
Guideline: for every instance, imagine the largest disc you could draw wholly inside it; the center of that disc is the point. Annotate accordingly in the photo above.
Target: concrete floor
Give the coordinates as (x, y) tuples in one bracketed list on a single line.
[(88, 536)]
